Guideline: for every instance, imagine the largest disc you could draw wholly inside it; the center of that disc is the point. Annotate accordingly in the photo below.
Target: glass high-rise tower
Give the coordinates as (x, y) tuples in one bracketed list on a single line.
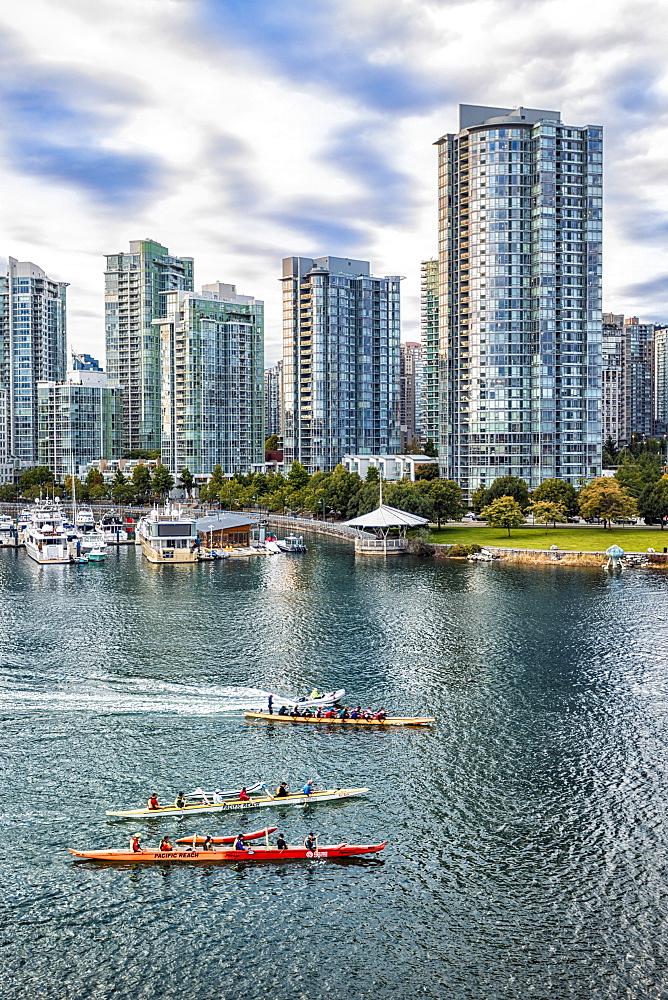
[(520, 203), (340, 361), (212, 351), (33, 347), (134, 287)]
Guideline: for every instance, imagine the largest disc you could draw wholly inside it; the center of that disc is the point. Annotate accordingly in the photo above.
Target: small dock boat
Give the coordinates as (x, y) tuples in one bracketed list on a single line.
[(408, 721), (291, 543), (112, 528), (94, 546), (238, 805), (324, 700)]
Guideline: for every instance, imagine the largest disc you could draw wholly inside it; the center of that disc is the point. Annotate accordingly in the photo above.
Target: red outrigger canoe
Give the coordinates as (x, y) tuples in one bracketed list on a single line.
[(151, 855), (265, 831)]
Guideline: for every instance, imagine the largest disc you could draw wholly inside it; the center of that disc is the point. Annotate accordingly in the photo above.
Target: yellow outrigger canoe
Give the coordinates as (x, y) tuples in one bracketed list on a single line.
[(408, 721)]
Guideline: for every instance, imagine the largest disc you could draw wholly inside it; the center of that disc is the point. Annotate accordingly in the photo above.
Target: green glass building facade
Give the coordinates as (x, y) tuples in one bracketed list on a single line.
[(135, 284), (212, 376)]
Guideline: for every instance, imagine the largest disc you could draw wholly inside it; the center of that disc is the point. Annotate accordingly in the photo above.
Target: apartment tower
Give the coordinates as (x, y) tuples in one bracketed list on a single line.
[(429, 331), (212, 354), (520, 202), (33, 347), (340, 361), (135, 284)]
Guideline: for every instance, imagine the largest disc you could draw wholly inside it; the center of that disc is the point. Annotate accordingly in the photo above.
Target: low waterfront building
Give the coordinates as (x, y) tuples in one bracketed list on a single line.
[(226, 531), (392, 468), (79, 421), (212, 348)]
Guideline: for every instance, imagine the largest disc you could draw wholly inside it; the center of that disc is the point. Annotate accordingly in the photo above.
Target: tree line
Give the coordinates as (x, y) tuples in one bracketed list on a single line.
[(639, 487)]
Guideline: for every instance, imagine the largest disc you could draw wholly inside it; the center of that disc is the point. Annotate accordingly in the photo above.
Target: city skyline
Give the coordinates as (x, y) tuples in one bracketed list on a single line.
[(348, 102)]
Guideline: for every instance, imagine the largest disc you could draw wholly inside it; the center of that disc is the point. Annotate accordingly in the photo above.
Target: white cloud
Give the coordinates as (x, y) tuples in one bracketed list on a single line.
[(240, 134)]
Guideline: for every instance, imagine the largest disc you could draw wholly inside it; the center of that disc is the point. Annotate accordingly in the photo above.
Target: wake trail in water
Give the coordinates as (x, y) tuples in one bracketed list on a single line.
[(104, 692)]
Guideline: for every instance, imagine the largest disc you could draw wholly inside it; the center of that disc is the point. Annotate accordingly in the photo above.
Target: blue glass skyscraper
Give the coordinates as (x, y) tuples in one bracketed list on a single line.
[(520, 204), (340, 361)]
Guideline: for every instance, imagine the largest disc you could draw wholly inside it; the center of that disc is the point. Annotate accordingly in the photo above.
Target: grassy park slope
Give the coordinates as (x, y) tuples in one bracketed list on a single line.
[(566, 537)]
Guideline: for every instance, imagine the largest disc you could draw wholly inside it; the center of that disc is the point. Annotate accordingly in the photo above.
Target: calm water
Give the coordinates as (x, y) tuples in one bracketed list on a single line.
[(527, 829)]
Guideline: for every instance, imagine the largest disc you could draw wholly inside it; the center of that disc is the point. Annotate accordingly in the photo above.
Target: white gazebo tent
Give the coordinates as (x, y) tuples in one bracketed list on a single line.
[(381, 521)]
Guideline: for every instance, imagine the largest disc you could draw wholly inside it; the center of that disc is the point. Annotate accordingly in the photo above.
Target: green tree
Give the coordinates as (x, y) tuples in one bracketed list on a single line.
[(342, 487), (8, 493), (426, 472), (545, 511), (372, 474), (94, 478), (298, 477), (41, 475), (231, 494), (163, 480), (605, 498), (430, 449), (653, 502), (635, 474), (508, 486), (446, 498), (209, 492), (98, 492), (557, 491), (609, 453), (478, 498), (414, 448), (503, 512), (412, 497), (271, 444), (122, 489), (141, 481), (82, 489), (186, 480)]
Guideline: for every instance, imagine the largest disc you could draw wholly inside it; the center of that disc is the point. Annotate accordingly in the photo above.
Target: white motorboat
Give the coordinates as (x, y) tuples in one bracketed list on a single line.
[(44, 538), (112, 528), (6, 529), (23, 520), (94, 546), (291, 543), (168, 535), (85, 519), (323, 700)]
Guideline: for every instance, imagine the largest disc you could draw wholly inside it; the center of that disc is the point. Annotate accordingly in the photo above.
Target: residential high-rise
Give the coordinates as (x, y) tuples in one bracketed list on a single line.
[(627, 378), (273, 400), (340, 361), (660, 424), (429, 333), (411, 395), (134, 287), (79, 421), (32, 347), (85, 363), (212, 355), (520, 197)]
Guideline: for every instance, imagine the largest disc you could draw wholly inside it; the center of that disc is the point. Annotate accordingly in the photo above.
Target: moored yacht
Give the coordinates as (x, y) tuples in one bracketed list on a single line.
[(85, 519), (112, 528), (168, 535), (44, 537), (6, 529)]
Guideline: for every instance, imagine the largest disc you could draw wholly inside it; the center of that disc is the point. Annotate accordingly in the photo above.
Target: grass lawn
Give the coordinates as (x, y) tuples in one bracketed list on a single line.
[(585, 539)]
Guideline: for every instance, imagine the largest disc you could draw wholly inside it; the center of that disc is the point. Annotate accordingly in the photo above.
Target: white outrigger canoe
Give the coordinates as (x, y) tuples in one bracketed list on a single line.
[(236, 805)]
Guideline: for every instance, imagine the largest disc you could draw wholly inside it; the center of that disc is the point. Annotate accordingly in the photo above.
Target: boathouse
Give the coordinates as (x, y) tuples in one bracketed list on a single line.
[(225, 531)]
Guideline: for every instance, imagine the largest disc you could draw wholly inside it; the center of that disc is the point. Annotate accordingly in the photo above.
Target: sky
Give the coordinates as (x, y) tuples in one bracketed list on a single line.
[(238, 132)]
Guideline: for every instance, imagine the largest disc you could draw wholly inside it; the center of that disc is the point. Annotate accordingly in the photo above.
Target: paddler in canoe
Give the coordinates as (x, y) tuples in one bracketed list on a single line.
[(153, 803)]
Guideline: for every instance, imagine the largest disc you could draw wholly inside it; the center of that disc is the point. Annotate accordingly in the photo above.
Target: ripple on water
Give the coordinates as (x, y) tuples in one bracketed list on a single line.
[(527, 833)]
